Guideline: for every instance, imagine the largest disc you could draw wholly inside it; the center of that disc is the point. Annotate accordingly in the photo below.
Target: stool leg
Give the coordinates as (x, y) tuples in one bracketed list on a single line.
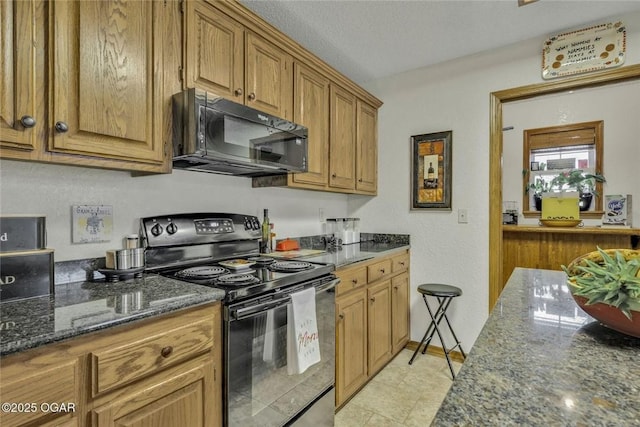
[(437, 317), (431, 328), (464, 356), (424, 338), (444, 348)]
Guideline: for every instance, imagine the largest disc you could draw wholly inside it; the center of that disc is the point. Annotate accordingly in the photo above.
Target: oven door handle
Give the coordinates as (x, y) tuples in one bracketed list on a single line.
[(244, 313)]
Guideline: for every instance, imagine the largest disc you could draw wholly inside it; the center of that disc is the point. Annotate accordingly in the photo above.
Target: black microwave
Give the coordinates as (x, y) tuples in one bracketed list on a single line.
[(213, 134)]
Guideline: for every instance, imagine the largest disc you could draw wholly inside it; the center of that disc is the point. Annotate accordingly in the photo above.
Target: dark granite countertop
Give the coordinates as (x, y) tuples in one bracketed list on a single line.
[(83, 307), (350, 254), (541, 361), (372, 245)]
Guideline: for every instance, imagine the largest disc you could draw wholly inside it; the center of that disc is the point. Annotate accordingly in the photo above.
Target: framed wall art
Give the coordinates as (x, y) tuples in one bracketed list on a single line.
[(431, 171)]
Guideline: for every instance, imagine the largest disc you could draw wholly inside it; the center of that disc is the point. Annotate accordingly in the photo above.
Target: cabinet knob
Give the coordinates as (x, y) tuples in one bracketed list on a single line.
[(373, 299), (166, 351), (354, 281), (252, 96), (61, 127), (28, 121), (238, 92), (334, 175), (401, 263), (341, 316), (360, 180), (382, 270)]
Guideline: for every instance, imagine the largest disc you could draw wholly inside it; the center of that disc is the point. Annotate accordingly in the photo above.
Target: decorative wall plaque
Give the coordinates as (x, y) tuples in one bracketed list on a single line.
[(582, 51), (91, 223)]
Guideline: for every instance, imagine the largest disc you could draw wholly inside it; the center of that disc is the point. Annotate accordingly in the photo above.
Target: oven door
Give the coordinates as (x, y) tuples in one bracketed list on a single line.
[(258, 390)]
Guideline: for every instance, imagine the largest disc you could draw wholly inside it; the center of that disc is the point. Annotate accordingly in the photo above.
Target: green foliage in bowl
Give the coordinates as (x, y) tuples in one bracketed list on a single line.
[(608, 277)]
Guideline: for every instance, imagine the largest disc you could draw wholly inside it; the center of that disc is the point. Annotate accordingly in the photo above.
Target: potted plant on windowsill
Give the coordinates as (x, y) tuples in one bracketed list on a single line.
[(577, 180), (538, 187), (606, 285)]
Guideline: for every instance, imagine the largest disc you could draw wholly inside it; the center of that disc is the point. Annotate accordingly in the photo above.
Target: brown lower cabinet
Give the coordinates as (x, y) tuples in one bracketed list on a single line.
[(372, 320), (163, 371)]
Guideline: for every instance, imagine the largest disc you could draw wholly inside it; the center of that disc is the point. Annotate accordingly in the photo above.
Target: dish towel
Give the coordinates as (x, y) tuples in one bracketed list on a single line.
[(303, 345)]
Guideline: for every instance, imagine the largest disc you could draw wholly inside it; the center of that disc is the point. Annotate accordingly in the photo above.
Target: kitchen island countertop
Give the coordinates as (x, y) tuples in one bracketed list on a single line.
[(83, 307), (540, 360)]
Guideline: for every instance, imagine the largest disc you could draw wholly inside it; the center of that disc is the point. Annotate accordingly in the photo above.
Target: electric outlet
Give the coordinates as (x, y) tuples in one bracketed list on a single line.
[(321, 214), (462, 216)]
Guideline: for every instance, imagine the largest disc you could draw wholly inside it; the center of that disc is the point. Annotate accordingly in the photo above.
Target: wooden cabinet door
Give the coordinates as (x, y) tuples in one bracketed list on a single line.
[(351, 344), (178, 398), (106, 79), (18, 69), (268, 77), (366, 149), (379, 325), (311, 109), (214, 51), (399, 311), (342, 139)]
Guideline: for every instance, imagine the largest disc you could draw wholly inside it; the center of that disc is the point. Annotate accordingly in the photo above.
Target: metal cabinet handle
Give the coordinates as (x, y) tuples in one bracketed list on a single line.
[(341, 316), (61, 127), (373, 299), (382, 270), (238, 92), (166, 351), (28, 121), (252, 96), (401, 263), (354, 281)]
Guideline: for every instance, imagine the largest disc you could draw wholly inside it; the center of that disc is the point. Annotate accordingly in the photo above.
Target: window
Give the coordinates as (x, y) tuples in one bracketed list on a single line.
[(547, 152)]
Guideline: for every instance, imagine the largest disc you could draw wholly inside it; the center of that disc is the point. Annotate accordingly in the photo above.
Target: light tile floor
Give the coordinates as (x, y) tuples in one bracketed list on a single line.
[(401, 395)]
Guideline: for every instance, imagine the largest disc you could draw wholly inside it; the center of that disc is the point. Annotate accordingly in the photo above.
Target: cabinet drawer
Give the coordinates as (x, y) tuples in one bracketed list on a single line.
[(351, 279), (378, 270), (400, 262), (155, 351), (37, 384)]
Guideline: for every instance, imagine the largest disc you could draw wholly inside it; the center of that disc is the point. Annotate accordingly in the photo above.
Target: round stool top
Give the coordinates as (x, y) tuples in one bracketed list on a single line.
[(439, 290)]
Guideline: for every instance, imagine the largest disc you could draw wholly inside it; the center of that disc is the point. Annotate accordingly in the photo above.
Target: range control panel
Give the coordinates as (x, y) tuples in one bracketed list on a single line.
[(188, 229)]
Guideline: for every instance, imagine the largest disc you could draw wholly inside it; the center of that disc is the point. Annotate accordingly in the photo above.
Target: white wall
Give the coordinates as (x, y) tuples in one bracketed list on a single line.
[(51, 190), (451, 96)]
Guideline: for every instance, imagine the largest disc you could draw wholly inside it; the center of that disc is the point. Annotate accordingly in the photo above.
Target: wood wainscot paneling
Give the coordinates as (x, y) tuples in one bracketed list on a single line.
[(551, 247)]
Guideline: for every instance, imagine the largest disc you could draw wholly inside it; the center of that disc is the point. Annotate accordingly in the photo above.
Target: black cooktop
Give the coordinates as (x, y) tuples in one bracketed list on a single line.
[(258, 278)]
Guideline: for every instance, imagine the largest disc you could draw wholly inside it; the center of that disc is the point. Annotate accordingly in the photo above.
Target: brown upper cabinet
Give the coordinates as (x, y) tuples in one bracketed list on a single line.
[(18, 85), (90, 84), (98, 99), (226, 58)]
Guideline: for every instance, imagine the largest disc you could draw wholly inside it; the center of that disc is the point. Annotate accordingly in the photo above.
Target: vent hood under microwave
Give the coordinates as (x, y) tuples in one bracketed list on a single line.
[(213, 134)]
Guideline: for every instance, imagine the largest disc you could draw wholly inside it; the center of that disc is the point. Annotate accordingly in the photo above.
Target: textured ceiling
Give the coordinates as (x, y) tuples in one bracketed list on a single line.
[(366, 39)]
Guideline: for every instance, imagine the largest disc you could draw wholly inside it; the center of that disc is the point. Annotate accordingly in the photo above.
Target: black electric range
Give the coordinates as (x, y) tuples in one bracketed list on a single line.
[(221, 250)]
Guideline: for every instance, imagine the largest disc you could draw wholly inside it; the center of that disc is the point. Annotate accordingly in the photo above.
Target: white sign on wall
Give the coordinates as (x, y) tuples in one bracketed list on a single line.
[(91, 223), (590, 49)]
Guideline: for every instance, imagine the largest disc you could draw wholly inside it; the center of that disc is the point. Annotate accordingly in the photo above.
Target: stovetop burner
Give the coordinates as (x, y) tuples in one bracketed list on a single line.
[(237, 279), (290, 266), (202, 272)]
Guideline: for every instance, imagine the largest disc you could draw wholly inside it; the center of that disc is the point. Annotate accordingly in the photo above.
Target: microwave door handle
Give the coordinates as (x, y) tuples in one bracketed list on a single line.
[(254, 310)]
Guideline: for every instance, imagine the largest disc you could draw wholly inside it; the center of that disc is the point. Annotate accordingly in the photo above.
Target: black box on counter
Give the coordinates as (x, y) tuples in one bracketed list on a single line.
[(22, 233), (26, 274)]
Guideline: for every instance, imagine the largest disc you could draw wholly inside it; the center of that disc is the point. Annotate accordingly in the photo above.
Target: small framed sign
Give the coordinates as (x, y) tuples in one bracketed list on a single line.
[(535, 166), (590, 49), (91, 223)]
